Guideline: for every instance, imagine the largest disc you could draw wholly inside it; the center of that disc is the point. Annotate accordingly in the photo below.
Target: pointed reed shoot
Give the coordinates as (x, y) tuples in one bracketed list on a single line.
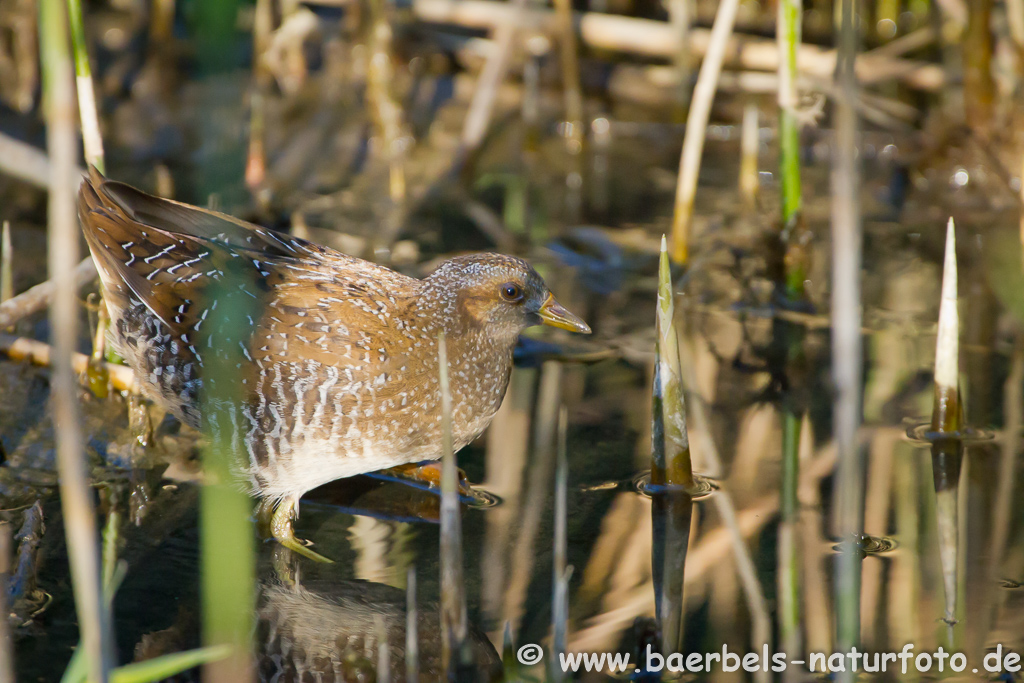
[(947, 418), (62, 255), (946, 412), (674, 468), (91, 136), (454, 620), (696, 125), (6, 263)]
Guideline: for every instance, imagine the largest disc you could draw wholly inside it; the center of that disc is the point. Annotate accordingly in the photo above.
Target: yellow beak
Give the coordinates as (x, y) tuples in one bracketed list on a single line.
[(554, 314)]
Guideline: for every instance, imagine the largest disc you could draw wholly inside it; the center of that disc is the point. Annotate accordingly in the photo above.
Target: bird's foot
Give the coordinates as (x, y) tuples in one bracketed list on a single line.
[(284, 533), (428, 473)]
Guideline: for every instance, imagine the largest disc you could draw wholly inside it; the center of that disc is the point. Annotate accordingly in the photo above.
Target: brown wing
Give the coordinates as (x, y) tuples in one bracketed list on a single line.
[(312, 313)]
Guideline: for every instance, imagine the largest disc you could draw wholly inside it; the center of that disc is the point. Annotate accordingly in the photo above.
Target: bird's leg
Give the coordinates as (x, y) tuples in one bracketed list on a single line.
[(429, 473), (283, 532)]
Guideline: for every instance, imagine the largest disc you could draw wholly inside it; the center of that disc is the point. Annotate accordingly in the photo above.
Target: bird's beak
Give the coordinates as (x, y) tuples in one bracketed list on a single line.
[(554, 314)]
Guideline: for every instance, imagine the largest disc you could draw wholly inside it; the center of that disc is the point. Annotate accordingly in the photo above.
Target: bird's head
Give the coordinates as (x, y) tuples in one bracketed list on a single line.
[(503, 295)]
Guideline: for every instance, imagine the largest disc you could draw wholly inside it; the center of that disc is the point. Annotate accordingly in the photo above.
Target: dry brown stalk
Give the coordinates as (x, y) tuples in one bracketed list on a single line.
[(37, 298), (40, 353), (653, 38)]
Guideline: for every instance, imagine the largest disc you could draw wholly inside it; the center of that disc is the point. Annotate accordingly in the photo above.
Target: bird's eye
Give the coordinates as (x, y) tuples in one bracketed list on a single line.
[(510, 291)]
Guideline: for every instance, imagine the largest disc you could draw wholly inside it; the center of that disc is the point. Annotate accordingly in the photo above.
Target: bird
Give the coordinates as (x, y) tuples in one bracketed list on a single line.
[(330, 362)]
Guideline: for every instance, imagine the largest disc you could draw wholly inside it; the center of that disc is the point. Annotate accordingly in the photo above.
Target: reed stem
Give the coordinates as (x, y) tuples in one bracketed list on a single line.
[(846, 337), (454, 620), (696, 125), (675, 469), (947, 418), (788, 554), (62, 255), (91, 136), (6, 264), (226, 537)]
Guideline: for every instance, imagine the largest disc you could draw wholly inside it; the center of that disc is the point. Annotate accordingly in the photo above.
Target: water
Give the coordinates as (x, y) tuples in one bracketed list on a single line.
[(594, 221)]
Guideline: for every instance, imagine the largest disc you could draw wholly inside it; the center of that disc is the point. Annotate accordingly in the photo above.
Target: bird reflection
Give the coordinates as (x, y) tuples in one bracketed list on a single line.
[(330, 631)]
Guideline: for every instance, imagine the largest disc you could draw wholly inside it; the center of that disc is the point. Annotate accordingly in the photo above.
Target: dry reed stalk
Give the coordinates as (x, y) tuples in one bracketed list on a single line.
[(6, 263), (256, 161), (651, 38), (1015, 20), (26, 163), (39, 353), (680, 15), (979, 84), (62, 255), (877, 506), (570, 75), (385, 106), (39, 297), (537, 490), (507, 450), (696, 124), (846, 337), (749, 145), (481, 108)]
